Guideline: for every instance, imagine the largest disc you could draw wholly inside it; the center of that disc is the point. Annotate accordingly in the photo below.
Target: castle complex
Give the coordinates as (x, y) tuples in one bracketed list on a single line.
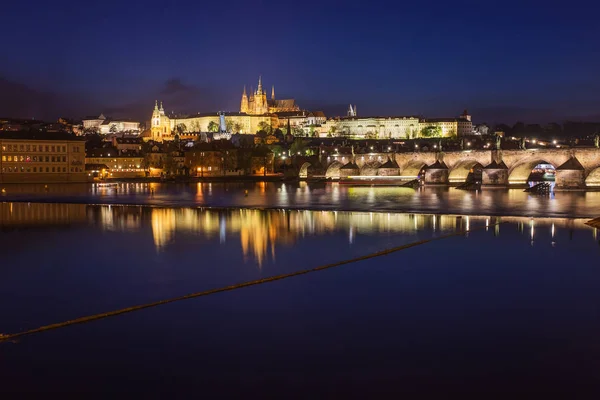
[(256, 111), (258, 104)]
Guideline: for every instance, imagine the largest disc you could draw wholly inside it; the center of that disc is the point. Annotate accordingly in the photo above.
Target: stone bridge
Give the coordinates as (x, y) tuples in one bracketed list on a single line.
[(575, 167)]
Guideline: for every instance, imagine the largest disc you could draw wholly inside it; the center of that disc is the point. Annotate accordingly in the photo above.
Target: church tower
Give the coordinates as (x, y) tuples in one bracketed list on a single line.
[(465, 115), (160, 123), (244, 104), (272, 92), (260, 100), (155, 128)]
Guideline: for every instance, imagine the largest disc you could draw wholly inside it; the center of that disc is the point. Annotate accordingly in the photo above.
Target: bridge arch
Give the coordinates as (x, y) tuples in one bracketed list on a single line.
[(333, 171), (460, 171), (593, 178), (304, 170), (370, 168), (412, 169), (519, 173)]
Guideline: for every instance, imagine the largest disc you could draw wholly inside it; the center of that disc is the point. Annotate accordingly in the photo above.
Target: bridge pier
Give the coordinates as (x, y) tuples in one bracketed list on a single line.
[(570, 175), (437, 173), (495, 174)]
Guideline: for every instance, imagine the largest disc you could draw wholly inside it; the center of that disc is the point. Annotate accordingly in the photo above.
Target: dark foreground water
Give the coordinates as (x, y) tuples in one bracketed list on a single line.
[(511, 308)]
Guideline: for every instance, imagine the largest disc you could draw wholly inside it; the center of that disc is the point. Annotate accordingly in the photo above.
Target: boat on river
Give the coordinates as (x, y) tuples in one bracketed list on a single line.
[(377, 180)]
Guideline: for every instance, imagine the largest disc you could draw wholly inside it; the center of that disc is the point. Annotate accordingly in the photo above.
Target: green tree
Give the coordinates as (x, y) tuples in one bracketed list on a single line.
[(113, 129), (431, 131), (180, 129), (237, 127), (213, 127), (229, 124), (297, 130), (371, 135), (298, 147), (264, 126)]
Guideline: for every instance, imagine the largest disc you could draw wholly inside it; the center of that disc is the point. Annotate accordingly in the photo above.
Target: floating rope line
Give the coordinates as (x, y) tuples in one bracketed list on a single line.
[(90, 318)]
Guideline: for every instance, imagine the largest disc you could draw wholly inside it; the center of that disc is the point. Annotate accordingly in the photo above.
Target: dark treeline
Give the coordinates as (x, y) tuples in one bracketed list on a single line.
[(568, 129)]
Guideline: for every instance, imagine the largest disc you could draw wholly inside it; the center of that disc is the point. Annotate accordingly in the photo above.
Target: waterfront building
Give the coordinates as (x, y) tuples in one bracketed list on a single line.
[(257, 103), (104, 125), (41, 157), (119, 164), (219, 158)]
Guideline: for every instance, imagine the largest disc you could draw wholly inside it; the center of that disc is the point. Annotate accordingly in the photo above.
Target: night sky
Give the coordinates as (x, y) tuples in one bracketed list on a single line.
[(503, 60)]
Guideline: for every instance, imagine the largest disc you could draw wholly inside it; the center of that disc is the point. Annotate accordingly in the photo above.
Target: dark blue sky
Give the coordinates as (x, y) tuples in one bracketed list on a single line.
[(503, 60)]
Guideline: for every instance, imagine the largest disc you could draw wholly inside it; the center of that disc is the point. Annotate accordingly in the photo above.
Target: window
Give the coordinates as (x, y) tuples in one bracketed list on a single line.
[(10, 147), (28, 169), (53, 158), (27, 158), (34, 169), (47, 149), (34, 158), (53, 169), (34, 148), (64, 149), (22, 158), (9, 158), (47, 159), (53, 149), (9, 169), (47, 169), (21, 147), (28, 147), (3, 158), (3, 148), (64, 169), (22, 169), (64, 159)]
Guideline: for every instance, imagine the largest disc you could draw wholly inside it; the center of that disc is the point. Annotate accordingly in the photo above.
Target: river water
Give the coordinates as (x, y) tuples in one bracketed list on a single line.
[(320, 196), (509, 307)]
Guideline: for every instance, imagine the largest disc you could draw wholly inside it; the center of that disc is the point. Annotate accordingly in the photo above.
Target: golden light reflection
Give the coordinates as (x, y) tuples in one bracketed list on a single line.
[(262, 232)]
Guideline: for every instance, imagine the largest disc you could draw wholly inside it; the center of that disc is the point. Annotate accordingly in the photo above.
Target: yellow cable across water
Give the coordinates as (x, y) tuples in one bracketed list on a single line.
[(90, 318)]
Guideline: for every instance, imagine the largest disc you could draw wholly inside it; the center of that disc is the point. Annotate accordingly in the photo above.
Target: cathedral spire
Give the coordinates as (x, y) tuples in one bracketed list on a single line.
[(244, 94), (259, 90), (155, 105), (161, 107), (273, 92)]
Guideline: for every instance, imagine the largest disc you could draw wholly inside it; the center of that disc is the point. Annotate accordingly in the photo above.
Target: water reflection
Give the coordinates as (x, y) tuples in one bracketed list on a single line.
[(330, 196), (260, 232)]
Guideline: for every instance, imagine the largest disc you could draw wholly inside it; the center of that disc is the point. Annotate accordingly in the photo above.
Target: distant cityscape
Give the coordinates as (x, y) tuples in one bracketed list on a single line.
[(267, 136)]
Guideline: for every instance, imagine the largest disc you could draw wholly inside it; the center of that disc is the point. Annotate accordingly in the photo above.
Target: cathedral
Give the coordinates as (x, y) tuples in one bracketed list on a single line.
[(257, 103)]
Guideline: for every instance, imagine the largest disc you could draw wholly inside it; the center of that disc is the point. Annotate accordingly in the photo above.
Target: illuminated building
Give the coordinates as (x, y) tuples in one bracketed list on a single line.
[(119, 166), (41, 157), (401, 127), (104, 126), (164, 128), (257, 103)]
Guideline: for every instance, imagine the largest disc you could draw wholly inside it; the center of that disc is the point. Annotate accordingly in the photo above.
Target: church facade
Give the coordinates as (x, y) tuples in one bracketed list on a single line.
[(258, 104)]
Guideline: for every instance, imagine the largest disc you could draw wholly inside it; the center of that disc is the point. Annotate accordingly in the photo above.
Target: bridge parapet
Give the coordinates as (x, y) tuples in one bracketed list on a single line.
[(516, 164)]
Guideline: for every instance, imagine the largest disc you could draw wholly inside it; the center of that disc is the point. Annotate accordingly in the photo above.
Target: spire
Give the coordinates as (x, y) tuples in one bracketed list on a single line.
[(273, 92), (155, 105), (161, 107), (259, 90), (244, 94)]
